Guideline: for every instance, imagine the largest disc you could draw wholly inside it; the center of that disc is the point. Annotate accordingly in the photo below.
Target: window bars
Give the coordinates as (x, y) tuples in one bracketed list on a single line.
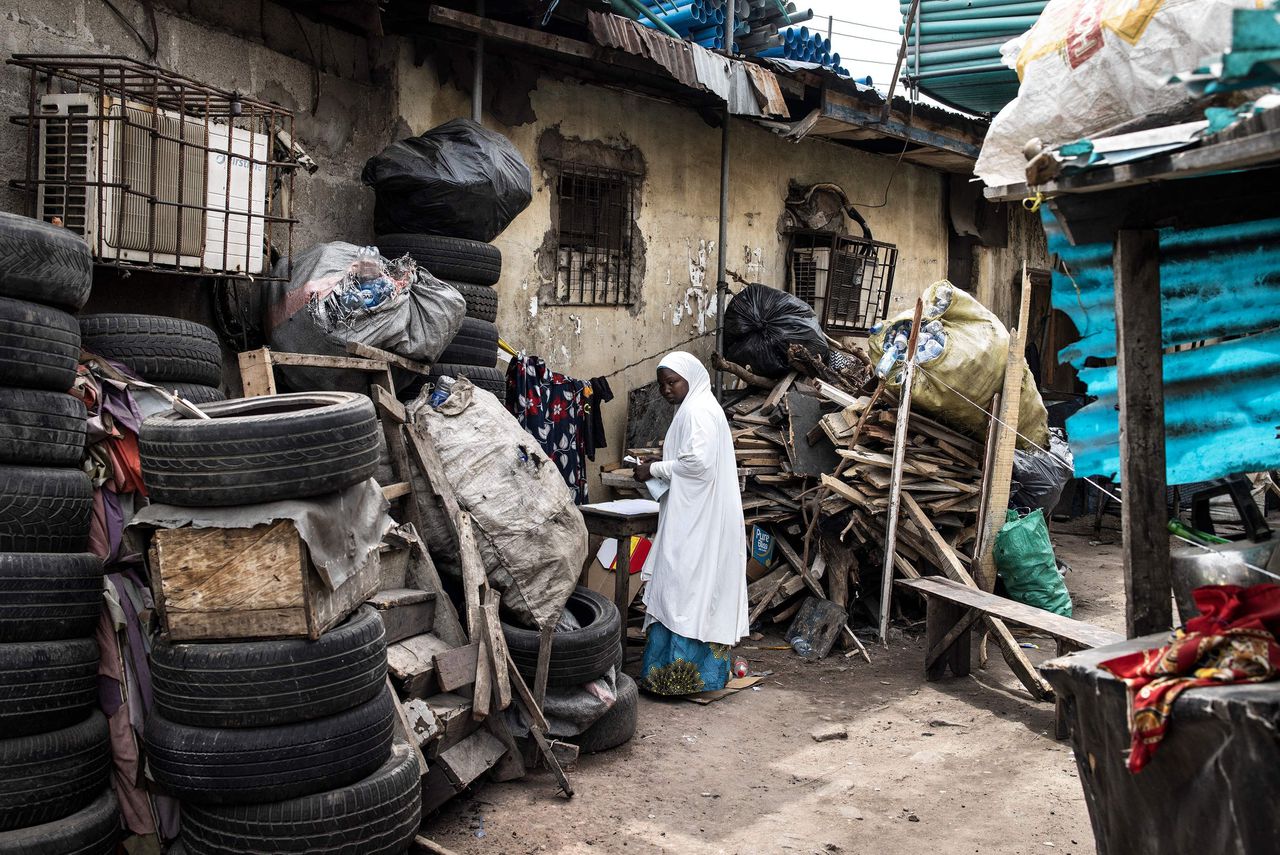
[(596, 229), (847, 280), (156, 171)]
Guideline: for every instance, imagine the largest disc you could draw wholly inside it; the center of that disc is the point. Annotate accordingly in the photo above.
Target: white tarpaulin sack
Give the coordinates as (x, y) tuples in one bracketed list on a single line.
[(1088, 65), (532, 537)]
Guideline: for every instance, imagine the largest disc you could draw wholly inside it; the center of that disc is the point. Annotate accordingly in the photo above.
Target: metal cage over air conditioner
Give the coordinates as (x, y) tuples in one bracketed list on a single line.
[(847, 280)]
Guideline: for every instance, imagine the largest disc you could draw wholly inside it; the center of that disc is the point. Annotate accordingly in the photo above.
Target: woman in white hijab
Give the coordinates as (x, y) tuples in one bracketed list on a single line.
[(696, 596)]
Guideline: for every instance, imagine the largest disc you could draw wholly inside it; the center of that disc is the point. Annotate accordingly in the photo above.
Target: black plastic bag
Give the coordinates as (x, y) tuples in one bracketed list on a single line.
[(457, 180), (1040, 476), (762, 322)]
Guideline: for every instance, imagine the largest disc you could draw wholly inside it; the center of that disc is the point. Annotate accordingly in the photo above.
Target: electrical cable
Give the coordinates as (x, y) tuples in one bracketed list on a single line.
[(152, 49)]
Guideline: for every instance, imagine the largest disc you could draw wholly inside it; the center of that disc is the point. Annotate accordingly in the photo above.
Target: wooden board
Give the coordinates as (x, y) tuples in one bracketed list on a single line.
[(237, 583), (453, 714), (405, 612), (456, 668), (411, 664), (471, 758)]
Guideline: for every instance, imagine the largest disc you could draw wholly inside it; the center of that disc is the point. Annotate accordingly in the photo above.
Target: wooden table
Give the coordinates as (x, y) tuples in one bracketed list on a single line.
[(622, 520)]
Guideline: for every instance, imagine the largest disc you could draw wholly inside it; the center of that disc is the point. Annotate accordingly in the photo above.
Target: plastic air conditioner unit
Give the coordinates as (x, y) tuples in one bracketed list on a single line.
[(204, 196)]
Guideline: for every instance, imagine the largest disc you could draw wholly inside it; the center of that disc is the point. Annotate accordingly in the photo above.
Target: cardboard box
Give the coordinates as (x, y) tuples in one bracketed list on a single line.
[(760, 555), (600, 575)]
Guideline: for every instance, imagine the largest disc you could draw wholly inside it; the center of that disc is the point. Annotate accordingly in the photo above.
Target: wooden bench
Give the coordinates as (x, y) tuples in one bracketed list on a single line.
[(952, 608)]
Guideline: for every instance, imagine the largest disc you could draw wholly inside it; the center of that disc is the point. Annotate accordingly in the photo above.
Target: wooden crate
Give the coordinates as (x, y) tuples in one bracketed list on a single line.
[(234, 583)]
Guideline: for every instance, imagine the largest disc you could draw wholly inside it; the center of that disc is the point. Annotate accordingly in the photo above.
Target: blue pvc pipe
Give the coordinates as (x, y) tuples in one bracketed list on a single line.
[(773, 52)]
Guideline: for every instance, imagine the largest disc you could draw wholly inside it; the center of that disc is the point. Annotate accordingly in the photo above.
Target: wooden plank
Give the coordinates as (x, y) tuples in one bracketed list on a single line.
[(453, 714), (456, 667), (954, 569), (544, 663), (256, 376), (386, 401), (338, 363), (941, 620), (411, 664), (430, 846), (494, 643), (1082, 635), (1140, 373), (775, 397), (364, 351), (841, 397), (895, 488), (1000, 475), (471, 758), (407, 732), (391, 492), (404, 612), (767, 596), (432, 469)]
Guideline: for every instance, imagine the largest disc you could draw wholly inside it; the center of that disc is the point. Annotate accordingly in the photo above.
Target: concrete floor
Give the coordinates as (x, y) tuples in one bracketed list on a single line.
[(962, 765)]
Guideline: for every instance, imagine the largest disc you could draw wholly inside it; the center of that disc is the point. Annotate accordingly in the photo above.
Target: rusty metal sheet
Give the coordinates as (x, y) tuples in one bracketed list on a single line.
[(748, 90)]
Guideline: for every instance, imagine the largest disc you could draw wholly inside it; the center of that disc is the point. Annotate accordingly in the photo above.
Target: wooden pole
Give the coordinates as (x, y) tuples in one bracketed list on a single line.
[(895, 483), (1139, 365)]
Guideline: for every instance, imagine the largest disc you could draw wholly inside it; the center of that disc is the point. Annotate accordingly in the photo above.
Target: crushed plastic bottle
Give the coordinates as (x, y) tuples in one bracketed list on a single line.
[(801, 646)]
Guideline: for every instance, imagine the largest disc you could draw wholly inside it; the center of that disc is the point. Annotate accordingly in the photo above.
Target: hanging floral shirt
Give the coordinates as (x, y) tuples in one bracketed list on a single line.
[(550, 406)]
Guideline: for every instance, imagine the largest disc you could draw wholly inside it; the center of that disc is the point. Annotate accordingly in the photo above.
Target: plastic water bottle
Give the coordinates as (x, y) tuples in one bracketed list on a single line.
[(801, 646), (740, 668), (440, 393)]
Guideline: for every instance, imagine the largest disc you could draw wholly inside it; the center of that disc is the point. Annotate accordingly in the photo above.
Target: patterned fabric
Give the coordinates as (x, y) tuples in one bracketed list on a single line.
[(550, 406), (1232, 641), (675, 665)]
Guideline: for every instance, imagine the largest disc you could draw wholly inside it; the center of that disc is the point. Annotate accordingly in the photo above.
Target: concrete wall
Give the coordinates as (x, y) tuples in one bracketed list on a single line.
[(678, 223)]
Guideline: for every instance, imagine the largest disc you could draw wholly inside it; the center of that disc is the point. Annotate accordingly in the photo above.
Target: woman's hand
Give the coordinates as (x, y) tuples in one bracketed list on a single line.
[(642, 471)]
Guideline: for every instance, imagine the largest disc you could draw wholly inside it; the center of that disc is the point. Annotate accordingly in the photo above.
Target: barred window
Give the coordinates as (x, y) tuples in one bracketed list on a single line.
[(596, 230)]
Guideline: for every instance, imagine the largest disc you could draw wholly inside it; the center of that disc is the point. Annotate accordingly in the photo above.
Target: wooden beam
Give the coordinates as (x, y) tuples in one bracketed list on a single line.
[(895, 483), (1140, 369), (843, 108), (364, 351), (256, 375), (999, 477)]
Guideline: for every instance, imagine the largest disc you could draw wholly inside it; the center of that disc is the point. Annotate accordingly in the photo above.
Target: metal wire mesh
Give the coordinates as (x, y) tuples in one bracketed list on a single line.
[(847, 280), (155, 170), (596, 230)]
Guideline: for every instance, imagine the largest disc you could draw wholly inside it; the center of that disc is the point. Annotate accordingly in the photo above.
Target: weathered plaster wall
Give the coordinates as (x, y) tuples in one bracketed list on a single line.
[(999, 269), (678, 221)]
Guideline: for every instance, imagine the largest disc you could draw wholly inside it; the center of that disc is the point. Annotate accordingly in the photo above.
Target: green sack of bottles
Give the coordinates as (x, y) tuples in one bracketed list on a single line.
[(1025, 562)]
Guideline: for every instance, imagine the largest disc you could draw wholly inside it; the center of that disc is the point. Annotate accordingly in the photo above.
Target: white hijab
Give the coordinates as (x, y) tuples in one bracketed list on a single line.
[(696, 571)]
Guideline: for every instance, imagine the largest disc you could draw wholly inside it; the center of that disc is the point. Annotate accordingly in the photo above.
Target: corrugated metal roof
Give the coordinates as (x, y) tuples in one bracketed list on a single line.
[(1222, 400), (748, 90)]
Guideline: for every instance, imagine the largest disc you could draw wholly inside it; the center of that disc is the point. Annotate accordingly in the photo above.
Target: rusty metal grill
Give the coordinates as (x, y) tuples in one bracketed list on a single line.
[(596, 230), (847, 280), (156, 171)]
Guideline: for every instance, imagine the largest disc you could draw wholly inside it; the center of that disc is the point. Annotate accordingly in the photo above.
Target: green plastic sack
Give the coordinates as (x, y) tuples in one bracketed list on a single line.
[(1024, 559), (972, 363)]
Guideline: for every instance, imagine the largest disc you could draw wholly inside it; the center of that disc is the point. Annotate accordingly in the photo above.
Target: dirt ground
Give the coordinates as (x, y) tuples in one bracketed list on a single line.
[(961, 765)]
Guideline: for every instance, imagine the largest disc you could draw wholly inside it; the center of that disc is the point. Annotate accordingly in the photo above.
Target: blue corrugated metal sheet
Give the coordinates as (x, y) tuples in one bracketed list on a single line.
[(1222, 401)]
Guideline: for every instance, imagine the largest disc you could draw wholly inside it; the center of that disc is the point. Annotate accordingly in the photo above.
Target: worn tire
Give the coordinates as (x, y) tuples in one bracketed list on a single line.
[(39, 346), (205, 765), (377, 815), (43, 263), (482, 300), (197, 393), (475, 344), (617, 725), (48, 596), (41, 428), (449, 258), (262, 449), (579, 656), (44, 510), (491, 379), (45, 685), (155, 347), (52, 775), (265, 683), (92, 830)]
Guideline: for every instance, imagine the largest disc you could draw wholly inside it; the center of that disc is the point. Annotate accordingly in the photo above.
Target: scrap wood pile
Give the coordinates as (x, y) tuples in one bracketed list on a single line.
[(815, 453)]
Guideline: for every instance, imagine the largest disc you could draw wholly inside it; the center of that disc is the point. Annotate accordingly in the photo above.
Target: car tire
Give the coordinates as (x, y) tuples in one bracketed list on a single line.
[(156, 348), (41, 428), (579, 656), (377, 815), (197, 393), (205, 765), (475, 344), (43, 263), (92, 830), (482, 300), (44, 510), (617, 726), (48, 596), (39, 346), (50, 776), (45, 685), (491, 379), (449, 258), (261, 449), (269, 683)]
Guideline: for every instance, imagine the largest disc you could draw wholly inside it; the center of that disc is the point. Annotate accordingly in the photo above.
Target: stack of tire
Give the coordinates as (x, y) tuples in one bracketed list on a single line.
[(283, 745), (55, 758), (578, 657), (473, 267), (179, 356)]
